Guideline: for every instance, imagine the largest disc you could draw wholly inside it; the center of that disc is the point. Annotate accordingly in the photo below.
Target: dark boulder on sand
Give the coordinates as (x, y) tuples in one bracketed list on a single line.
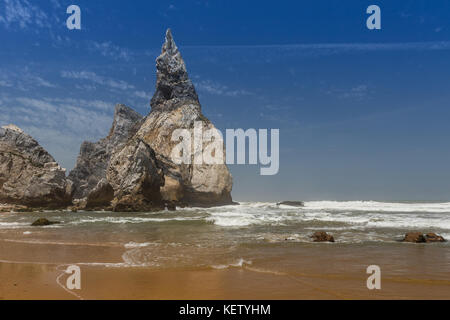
[(433, 237), (321, 236), (419, 237), (416, 237), (43, 222)]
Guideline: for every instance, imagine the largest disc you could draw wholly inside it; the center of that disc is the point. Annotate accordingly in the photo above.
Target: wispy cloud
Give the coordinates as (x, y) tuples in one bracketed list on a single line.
[(59, 124), (22, 14), (38, 81), (5, 83), (37, 104), (358, 92), (23, 79), (97, 79), (218, 89), (108, 49)]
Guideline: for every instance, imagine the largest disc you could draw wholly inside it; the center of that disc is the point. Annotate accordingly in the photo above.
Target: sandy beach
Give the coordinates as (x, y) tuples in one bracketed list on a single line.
[(322, 272), (32, 281), (251, 251)]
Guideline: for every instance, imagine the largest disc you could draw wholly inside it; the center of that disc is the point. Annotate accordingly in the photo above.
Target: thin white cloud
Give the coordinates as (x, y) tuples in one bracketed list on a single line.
[(55, 3), (38, 81), (142, 94), (22, 14), (59, 124), (357, 92), (93, 77), (5, 83), (23, 79), (38, 104), (215, 88), (108, 49)]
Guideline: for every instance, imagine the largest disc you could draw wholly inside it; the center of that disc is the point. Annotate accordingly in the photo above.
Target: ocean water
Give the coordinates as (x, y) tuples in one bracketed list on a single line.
[(257, 235)]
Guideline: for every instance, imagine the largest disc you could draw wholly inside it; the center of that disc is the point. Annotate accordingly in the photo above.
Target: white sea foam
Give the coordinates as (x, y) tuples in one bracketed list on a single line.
[(238, 264), (132, 244), (134, 220), (13, 225), (375, 206), (363, 214)]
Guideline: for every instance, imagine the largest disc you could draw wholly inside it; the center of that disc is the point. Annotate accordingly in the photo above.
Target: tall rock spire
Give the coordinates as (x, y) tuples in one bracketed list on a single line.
[(173, 86)]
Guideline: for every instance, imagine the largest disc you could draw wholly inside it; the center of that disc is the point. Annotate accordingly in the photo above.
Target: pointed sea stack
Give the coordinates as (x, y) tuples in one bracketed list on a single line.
[(131, 169), (173, 86), (175, 105)]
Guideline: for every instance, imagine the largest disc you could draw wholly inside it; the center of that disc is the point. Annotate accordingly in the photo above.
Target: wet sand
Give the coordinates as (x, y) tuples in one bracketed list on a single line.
[(40, 281)]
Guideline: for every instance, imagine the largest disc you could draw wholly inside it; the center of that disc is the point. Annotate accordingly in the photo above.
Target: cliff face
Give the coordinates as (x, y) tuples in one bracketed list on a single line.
[(28, 174), (136, 178), (175, 105), (89, 175), (132, 168)]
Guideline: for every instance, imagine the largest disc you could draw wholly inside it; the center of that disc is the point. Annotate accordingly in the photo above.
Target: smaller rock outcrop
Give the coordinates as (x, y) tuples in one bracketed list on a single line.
[(43, 222), (321, 236), (29, 175), (90, 186)]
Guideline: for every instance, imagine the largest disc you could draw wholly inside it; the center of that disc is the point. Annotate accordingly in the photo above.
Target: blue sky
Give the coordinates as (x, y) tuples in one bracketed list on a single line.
[(362, 114)]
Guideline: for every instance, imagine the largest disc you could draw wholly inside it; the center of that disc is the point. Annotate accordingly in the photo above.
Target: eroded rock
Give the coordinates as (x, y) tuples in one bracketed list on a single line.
[(43, 222), (136, 178), (175, 105), (433, 237), (89, 174), (29, 175), (321, 236), (416, 237)]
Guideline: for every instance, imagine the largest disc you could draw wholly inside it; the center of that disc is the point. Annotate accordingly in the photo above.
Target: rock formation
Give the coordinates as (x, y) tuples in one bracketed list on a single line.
[(136, 178), (89, 174), (43, 222), (433, 237), (321, 236), (175, 105), (132, 168), (416, 237), (419, 237), (29, 175)]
